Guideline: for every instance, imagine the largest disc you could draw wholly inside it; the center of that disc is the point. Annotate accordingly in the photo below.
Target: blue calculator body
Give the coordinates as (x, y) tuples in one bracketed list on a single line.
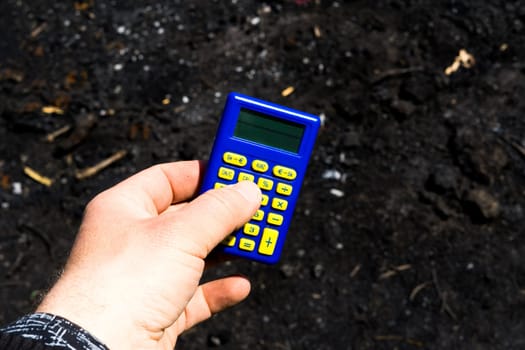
[(270, 145)]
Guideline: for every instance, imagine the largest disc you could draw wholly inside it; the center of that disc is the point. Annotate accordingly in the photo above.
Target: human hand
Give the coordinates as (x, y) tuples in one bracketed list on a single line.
[(132, 279)]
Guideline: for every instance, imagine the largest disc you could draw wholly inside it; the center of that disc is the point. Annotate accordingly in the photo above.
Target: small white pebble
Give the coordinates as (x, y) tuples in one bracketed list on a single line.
[(218, 94), (5, 205), (121, 29), (17, 188), (266, 9), (331, 174), (336, 192), (322, 116), (160, 31), (118, 67), (470, 266), (185, 99), (255, 21), (339, 246)]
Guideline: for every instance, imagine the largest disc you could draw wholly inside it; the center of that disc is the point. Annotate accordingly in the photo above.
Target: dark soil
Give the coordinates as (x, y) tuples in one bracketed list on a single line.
[(409, 233)]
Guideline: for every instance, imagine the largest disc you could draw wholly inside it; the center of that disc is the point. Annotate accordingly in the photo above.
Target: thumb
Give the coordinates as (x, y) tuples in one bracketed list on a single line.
[(213, 215)]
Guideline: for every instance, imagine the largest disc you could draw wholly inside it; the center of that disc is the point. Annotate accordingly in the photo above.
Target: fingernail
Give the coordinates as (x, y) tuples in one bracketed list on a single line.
[(248, 190)]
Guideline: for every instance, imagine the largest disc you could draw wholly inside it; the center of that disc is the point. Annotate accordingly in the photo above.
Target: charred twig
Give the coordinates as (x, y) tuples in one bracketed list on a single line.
[(506, 139), (38, 29), (93, 170), (395, 72), (355, 270), (399, 338), (418, 289), (518, 148), (54, 134), (12, 284), (38, 234), (443, 296), (84, 124), (394, 271), (16, 264)]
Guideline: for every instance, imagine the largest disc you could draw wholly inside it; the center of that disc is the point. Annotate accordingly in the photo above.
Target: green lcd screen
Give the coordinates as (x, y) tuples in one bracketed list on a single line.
[(269, 131)]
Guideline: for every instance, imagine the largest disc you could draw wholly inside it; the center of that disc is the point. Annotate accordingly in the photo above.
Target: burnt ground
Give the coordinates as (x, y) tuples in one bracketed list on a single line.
[(409, 233)]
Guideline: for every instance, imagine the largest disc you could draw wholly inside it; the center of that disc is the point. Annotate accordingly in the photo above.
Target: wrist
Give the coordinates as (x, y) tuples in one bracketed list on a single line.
[(103, 320)]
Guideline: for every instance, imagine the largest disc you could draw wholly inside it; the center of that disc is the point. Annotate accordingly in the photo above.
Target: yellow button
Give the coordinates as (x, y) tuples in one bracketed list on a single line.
[(268, 241), (246, 244), (219, 185), (234, 159), (251, 229), (275, 219), (279, 204), (259, 215), (226, 174), (265, 184), (246, 177), (229, 241), (284, 189), (260, 166), (284, 172), (264, 199)]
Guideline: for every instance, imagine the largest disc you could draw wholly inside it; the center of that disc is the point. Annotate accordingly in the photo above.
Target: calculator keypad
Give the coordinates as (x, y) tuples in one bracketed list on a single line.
[(262, 232)]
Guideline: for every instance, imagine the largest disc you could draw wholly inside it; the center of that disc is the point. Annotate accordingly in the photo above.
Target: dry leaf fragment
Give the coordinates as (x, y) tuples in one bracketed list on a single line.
[(463, 59), (11, 74), (95, 169), (288, 91), (387, 274), (52, 136), (5, 181), (317, 31), (355, 270), (52, 110), (418, 289), (403, 267), (38, 29), (83, 5), (44, 180)]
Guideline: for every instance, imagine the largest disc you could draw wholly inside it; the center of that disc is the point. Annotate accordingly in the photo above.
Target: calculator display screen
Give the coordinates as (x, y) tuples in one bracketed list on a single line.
[(269, 131)]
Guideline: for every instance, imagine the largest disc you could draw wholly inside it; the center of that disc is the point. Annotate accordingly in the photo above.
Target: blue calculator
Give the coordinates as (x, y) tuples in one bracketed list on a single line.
[(270, 145)]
